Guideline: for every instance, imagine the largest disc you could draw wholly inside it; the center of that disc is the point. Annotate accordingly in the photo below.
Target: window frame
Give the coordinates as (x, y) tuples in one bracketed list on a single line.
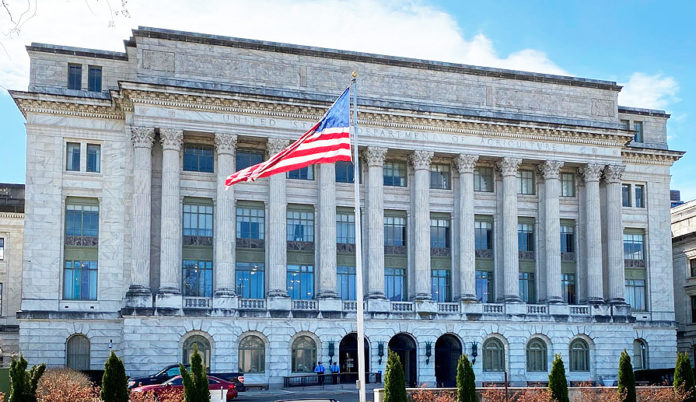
[(441, 285), (440, 176), (94, 83), (205, 348), (636, 295), (626, 196), (300, 218), (390, 222), (640, 359), (638, 133), (484, 278), (96, 168), (345, 228), (250, 154), (71, 358), (248, 346), (579, 357), (389, 173), (527, 287), (344, 172), (537, 355), (309, 361), (564, 176), (255, 218), (71, 164), (484, 183), (2, 249), (392, 275), (254, 273), (193, 282), (526, 182), (569, 288), (199, 152), (306, 274), (203, 211), (639, 200), (692, 267), (72, 84), (304, 173), (493, 357), (440, 232), (345, 282)]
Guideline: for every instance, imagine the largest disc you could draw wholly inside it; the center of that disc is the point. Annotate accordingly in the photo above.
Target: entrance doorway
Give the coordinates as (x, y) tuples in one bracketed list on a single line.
[(447, 352), (348, 357), (404, 346)]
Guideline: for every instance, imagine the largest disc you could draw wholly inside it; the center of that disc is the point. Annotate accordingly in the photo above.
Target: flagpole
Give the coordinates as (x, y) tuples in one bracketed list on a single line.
[(358, 246)]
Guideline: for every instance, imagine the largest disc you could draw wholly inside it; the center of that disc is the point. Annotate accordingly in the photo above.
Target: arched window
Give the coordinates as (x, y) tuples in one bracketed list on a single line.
[(304, 355), (252, 355), (536, 355), (640, 355), (203, 348), (78, 352), (579, 355), (493, 355)]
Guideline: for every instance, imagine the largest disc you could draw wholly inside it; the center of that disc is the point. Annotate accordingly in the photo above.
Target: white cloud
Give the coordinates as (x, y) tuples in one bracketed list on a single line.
[(411, 29), (649, 91)]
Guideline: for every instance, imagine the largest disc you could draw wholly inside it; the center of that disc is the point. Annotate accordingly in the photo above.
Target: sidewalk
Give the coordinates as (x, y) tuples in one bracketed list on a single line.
[(340, 392)]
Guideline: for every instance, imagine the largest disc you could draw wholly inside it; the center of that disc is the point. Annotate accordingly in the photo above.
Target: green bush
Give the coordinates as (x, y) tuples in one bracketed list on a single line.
[(466, 381), (684, 377), (557, 381), (114, 381), (627, 381), (196, 382), (394, 381), (23, 383)]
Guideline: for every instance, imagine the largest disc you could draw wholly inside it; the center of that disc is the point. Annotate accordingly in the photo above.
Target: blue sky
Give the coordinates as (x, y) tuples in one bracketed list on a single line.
[(648, 46)]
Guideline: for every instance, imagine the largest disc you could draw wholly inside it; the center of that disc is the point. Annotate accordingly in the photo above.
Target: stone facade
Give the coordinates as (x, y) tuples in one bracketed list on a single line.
[(684, 254), (558, 156)]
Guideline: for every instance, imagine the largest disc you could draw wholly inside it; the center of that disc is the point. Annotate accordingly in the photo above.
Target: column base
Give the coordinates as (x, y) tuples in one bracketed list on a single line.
[(225, 292), (512, 299), (468, 298), (375, 295), (423, 297), (327, 294), (555, 300), (617, 301), (277, 293), (138, 297), (168, 298), (594, 300)]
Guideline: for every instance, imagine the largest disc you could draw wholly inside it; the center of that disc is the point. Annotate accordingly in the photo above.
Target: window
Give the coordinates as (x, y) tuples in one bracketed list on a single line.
[(345, 228), (440, 175), (395, 283), (80, 280), (568, 288), (80, 253), (394, 231), (305, 173), (395, 174), (77, 352), (567, 238), (635, 294), (536, 356), (2, 248), (693, 309), (525, 182), (300, 282), (626, 124), (483, 234), (640, 355), (527, 290), (346, 282), (198, 158), (197, 278), (525, 240), (72, 161), (252, 355), (579, 355), (93, 158), (484, 286), (344, 172), (493, 355), (441, 285), (250, 280), (74, 76), (639, 192), (304, 355), (81, 221), (203, 348), (567, 185), (250, 227), (633, 250), (638, 129), (439, 233), (626, 195), (198, 220), (246, 158), (300, 226), (692, 266), (483, 179), (94, 78)]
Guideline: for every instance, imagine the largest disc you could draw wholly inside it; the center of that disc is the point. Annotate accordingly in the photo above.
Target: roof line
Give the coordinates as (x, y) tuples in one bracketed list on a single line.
[(643, 111), (76, 51)]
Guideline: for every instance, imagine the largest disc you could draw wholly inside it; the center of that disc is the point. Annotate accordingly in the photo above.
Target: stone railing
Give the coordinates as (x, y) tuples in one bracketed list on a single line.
[(402, 307), (252, 304), (493, 308), (352, 305), (309, 305), (579, 310), (448, 308), (537, 309), (197, 302)]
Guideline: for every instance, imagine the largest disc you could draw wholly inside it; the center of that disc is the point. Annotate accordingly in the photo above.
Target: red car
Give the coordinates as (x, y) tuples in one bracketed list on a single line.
[(214, 385)]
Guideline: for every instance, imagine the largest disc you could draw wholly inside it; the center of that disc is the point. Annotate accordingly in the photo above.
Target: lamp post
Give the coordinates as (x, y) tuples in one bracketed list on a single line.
[(474, 352), (380, 351), (428, 351)]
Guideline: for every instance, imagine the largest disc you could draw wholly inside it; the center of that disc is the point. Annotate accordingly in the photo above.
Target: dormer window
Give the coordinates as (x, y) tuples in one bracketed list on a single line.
[(94, 76), (74, 76)]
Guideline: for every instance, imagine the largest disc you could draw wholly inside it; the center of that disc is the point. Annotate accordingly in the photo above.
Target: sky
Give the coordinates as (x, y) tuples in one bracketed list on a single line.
[(649, 47)]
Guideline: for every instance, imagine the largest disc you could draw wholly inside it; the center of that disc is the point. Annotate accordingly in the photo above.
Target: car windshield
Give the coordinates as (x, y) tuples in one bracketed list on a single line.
[(174, 371), (175, 381)]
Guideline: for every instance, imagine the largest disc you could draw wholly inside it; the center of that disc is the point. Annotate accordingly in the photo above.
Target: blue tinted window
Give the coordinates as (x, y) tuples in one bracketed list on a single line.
[(80, 280), (246, 158), (198, 278), (344, 172), (72, 161), (250, 280), (300, 282), (305, 173), (94, 78), (198, 158), (74, 76)]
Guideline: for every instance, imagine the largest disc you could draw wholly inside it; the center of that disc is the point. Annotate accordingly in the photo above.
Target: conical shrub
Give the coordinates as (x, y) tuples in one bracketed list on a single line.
[(114, 381), (23, 383), (684, 377), (196, 381), (394, 381), (466, 381), (627, 381), (557, 381)]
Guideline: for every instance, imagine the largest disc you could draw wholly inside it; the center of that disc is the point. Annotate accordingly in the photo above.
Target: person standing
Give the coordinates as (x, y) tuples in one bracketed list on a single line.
[(319, 369), (335, 370)]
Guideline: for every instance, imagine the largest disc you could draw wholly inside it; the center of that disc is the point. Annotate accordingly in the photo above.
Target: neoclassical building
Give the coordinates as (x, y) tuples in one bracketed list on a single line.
[(507, 215), (684, 254)]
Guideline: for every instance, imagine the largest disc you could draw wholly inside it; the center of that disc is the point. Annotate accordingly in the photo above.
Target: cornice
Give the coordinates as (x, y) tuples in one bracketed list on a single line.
[(651, 156), (33, 102), (12, 215)]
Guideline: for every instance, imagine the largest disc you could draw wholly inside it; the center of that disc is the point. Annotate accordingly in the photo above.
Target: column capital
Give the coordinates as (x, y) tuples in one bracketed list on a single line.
[(142, 137), (550, 169), (421, 159), (613, 173), (466, 163), (508, 166), (171, 138), (225, 143), (374, 156), (276, 145), (591, 172)]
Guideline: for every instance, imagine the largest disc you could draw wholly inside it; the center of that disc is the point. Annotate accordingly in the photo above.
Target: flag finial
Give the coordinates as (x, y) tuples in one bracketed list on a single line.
[(355, 74)]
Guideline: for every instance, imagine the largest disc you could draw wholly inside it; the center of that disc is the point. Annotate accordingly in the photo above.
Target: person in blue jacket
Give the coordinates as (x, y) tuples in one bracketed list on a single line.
[(319, 369)]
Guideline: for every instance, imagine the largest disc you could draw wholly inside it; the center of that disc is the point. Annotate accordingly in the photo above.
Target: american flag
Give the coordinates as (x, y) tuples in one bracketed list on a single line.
[(328, 141)]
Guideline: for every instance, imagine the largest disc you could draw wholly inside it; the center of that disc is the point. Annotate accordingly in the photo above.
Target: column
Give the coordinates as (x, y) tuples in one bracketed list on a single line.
[(552, 230), (224, 222), (511, 268), (420, 211), (277, 244), (139, 294), (467, 246), (170, 250), (374, 156), (612, 177), (593, 233), (327, 231)]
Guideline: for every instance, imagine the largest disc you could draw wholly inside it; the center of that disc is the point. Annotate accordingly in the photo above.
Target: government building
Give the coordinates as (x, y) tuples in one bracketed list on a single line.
[(506, 215)]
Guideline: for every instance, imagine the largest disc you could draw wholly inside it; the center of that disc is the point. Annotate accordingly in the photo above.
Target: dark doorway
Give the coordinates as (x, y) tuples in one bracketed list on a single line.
[(348, 357), (405, 347), (447, 352)]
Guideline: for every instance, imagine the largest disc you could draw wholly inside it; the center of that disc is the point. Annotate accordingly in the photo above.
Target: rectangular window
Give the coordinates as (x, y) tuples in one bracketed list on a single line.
[(94, 78), (395, 283), (197, 278), (626, 124), (394, 232), (626, 195), (345, 228), (80, 250), (527, 293), (300, 226), (72, 162), (344, 172), (250, 227), (81, 221), (483, 234), (80, 280), (635, 294), (567, 185), (440, 176), (640, 193), (525, 182), (305, 173), (250, 280), (300, 282), (692, 266), (198, 220), (567, 240), (693, 309), (395, 174), (74, 76), (525, 240), (346, 282), (2, 249), (441, 285), (246, 158), (439, 233), (568, 288), (93, 158), (634, 254), (198, 158), (484, 286), (483, 179), (638, 129)]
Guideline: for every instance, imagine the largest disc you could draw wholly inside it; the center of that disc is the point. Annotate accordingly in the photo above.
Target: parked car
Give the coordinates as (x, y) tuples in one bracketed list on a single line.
[(214, 384), (173, 370)]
